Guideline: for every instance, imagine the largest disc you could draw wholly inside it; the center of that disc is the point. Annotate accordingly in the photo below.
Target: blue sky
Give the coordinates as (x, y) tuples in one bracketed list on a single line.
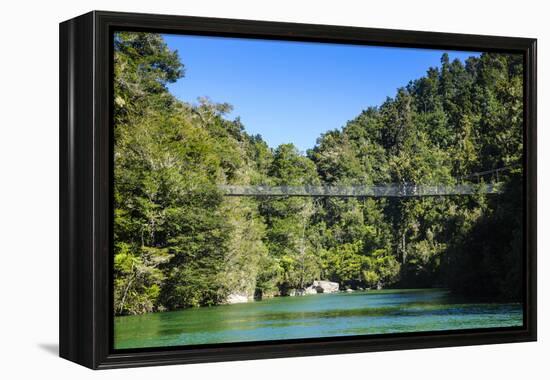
[(294, 91)]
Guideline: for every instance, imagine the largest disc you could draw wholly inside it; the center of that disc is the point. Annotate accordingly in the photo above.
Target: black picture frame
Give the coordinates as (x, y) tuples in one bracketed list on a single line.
[(86, 149)]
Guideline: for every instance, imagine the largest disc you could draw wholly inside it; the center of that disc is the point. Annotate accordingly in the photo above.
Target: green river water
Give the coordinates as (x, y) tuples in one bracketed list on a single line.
[(322, 315)]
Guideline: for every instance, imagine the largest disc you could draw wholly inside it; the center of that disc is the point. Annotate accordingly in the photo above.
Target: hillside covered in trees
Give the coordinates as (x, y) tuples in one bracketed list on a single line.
[(179, 242)]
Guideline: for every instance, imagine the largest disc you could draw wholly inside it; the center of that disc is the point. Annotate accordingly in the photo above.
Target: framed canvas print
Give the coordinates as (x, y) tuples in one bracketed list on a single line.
[(238, 189)]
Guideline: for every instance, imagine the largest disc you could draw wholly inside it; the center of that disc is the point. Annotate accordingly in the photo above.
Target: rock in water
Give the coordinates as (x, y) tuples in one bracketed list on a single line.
[(326, 286), (236, 298), (310, 290)]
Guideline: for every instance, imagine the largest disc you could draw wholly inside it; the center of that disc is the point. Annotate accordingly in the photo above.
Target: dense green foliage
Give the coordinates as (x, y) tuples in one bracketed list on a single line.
[(179, 242)]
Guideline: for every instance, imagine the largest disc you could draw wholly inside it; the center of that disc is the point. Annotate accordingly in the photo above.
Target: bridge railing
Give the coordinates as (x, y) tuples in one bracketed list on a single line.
[(388, 190)]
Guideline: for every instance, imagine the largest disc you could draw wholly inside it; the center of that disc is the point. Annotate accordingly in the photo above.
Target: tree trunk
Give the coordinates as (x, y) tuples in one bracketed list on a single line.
[(403, 246)]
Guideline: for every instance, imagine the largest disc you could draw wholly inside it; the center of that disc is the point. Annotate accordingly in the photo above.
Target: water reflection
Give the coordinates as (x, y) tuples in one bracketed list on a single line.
[(371, 312)]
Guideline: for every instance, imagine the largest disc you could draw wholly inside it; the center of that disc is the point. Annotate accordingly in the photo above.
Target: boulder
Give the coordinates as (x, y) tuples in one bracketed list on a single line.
[(310, 290), (302, 292), (326, 286), (315, 288), (236, 298), (291, 292)]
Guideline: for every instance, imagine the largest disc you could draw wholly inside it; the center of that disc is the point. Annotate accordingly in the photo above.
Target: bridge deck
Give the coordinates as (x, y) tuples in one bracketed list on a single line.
[(389, 190)]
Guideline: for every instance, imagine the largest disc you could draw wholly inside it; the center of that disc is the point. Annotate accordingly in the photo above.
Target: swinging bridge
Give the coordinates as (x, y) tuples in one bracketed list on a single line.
[(475, 185)]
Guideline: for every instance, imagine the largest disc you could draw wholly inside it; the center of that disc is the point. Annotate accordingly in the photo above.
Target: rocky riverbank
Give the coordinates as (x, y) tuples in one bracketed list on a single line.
[(317, 287)]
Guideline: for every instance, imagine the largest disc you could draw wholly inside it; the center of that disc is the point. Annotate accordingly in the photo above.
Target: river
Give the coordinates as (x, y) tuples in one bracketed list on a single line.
[(322, 315)]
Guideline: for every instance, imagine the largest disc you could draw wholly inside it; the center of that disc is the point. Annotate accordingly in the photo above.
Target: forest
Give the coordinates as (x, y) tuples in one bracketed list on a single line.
[(180, 242)]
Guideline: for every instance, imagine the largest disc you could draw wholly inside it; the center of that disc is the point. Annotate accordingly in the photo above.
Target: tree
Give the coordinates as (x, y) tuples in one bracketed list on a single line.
[(290, 231)]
